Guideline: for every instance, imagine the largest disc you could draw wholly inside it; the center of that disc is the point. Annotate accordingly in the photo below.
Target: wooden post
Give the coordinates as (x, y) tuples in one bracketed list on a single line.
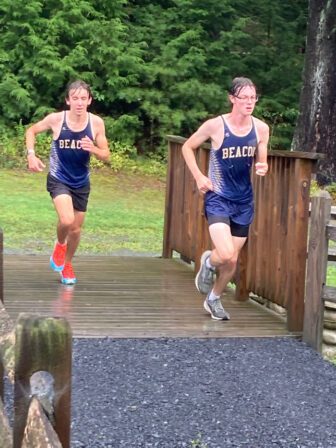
[(6, 439), (298, 238), (39, 431), (316, 270), (203, 242), (167, 251), (42, 344)]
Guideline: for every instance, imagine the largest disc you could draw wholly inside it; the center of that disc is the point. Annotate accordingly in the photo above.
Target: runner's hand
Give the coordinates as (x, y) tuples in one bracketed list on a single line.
[(261, 168), (35, 164), (87, 144), (204, 184)]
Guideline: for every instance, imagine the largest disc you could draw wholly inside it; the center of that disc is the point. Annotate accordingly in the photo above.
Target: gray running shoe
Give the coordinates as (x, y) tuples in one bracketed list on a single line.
[(215, 308), (204, 278)]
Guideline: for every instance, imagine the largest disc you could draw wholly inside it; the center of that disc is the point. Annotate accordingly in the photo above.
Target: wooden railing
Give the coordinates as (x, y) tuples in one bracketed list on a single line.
[(36, 355), (273, 262), (321, 232)]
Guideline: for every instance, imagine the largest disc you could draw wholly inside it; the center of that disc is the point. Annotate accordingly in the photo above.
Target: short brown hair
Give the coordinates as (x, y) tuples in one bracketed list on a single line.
[(238, 84), (78, 85)]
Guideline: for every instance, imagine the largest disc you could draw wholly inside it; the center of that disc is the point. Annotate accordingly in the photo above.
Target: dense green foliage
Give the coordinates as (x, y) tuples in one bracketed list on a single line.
[(155, 67), (123, 157)]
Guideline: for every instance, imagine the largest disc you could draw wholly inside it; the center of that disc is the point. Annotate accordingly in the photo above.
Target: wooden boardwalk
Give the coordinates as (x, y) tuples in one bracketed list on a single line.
[(126, 297)]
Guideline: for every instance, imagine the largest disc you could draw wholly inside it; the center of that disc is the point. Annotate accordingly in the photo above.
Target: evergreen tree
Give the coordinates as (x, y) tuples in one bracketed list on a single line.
[(156, 68), (46, 45)]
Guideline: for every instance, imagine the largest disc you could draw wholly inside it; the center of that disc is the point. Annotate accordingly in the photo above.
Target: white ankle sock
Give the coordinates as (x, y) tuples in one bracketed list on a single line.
[(212, 296), (208, 264)]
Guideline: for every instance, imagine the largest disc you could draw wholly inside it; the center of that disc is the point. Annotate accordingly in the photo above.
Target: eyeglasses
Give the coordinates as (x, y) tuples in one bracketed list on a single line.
[(246, 99)]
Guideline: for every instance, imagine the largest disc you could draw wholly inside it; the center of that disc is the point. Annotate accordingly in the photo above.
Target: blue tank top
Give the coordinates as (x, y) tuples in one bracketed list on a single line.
[(230, 165), (69, 163)]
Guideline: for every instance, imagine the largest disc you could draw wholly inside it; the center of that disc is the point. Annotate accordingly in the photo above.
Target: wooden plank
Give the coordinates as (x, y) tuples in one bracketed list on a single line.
[(278, 153), (316, 270), (202, 236), (242, 291), (167, 251), (299, 228), (267, 244), (297, 154), (331, 254), (129, 297), (329, 293), (178, 222), (281, 255), (331, 232), (333, 212)]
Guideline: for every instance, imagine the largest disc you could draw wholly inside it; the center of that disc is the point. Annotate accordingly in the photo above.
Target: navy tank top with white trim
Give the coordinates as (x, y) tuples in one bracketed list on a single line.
[(69, 163), (230, 165)]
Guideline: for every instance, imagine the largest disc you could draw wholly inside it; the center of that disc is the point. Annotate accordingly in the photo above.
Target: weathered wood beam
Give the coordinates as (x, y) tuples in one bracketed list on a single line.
[(7, 342), (281, 153), (329, 293), (316, 270), (39, 432), (331, 232), (6, 438), (242, 291)]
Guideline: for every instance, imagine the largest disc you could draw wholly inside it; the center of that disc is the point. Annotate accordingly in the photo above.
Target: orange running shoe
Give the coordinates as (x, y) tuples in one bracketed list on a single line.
[(68, 276), (57, 259)]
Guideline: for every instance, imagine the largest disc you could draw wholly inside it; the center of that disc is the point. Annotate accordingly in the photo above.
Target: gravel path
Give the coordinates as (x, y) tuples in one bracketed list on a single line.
[(168, 393), (225, 392)]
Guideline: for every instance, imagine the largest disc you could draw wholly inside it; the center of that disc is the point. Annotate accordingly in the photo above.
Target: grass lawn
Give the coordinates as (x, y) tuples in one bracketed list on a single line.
[(125, 213)]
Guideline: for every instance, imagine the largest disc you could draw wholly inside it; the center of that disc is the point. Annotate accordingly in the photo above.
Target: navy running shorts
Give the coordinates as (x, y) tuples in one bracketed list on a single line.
[(237, 215), (80, 196)]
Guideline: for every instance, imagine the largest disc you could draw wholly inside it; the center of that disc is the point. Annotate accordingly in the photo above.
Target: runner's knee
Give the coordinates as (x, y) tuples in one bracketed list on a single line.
[(75, 230), (225, 255), (66, 221)]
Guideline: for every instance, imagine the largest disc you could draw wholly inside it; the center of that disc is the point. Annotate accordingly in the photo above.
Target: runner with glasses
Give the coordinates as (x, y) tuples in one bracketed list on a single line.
[(237, 141)]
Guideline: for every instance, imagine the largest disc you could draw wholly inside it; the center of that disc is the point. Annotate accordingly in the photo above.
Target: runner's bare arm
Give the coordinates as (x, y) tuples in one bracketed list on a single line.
[(203, 133), (261, 164), (48, 123)]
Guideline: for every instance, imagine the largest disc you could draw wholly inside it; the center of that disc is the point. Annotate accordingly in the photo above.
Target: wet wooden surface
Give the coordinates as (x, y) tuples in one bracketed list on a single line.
[(126, 297)]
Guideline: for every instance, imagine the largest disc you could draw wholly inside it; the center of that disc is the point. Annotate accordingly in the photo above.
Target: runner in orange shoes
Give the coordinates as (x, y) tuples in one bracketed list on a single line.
[(57, 259), (77, 134), (68, 276)]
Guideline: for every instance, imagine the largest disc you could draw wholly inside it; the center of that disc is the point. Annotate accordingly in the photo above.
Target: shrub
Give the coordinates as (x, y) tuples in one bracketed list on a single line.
[(332, 190), (122, 156), (13, 146)]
